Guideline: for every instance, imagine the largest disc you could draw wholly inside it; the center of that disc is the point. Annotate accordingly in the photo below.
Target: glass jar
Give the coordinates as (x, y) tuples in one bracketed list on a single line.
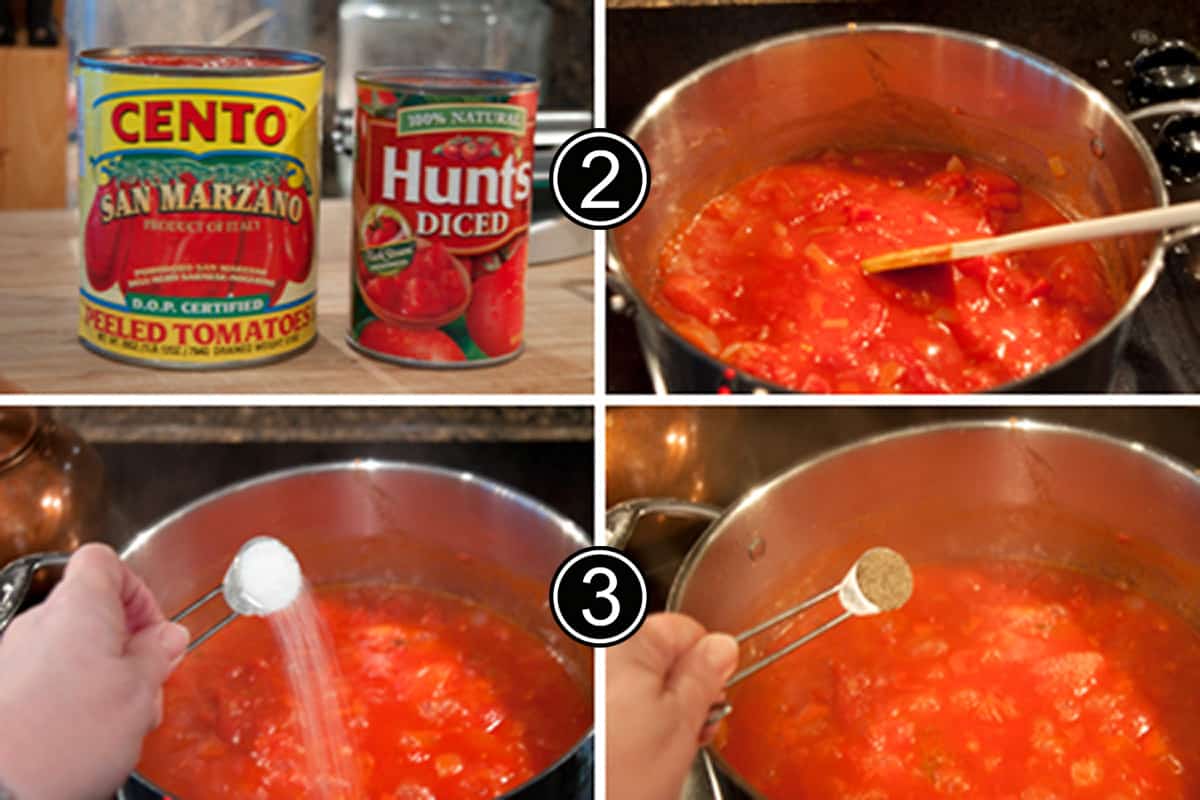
[(51, 486), (245, 23), (476, 34)]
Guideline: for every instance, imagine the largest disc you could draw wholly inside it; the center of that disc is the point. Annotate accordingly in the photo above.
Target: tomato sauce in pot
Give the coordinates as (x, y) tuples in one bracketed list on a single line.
[(766, 278), (1000, 679), (441, 699)]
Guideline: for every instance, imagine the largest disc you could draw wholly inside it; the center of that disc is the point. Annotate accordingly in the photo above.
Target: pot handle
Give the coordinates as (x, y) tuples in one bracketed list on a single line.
[(1162, 109), (1171, 238), (17, 577), (622, 519), (621, 301), (1183, 234)]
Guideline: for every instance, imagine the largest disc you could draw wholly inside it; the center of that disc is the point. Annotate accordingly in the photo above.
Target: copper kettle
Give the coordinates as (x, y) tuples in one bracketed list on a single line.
[(51, 485)]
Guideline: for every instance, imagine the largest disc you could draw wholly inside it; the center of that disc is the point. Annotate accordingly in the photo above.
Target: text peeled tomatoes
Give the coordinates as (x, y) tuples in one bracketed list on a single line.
[(443, 185), (199, 190), (767, 278)]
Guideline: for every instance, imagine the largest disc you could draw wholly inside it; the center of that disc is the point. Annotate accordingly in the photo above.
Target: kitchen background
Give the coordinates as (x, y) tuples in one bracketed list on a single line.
[(715, 454), (551, 38), (107, 473), (652, 43)]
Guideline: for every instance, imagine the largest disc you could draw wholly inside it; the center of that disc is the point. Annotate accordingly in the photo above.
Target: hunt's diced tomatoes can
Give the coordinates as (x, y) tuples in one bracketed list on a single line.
[(200, 178), (443, 188)]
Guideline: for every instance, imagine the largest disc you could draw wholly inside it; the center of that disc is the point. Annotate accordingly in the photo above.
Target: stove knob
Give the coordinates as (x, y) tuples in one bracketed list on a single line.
[(1165, 71), (1178, 148)]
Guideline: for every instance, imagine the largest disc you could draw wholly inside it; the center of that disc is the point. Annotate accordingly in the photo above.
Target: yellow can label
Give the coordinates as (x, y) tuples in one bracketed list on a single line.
[(198, 209)]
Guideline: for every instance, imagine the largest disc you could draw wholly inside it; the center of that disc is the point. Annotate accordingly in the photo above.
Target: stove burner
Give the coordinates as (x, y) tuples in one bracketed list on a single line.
[(1178, 149), (1168, 70)]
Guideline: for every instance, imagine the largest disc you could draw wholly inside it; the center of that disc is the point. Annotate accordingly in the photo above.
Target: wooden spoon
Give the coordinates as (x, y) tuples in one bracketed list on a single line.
[(1154, 219)]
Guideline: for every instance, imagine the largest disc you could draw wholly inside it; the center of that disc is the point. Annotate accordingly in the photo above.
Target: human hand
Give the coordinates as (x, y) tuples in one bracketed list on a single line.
[(81, 679), (661, 683)]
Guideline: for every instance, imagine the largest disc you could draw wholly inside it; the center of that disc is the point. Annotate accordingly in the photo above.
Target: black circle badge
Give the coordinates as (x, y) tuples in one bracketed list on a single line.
[(600, 178), (599, 597)]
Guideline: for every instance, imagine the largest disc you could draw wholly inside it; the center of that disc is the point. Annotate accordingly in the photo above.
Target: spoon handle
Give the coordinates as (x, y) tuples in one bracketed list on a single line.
[(718, 711), (208, 633), (787, 613), (763, 663)]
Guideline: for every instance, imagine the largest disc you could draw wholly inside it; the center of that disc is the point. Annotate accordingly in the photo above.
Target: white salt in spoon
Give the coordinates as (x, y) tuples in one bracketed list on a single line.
[(879, 581), (263, 578)]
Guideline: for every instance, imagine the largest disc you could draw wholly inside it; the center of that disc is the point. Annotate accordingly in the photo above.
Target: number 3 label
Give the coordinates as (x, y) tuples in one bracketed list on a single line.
[(606, 594), (598, 597)]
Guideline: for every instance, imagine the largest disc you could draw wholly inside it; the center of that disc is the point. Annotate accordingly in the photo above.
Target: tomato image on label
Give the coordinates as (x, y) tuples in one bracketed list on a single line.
[(443, 183), (188, 237), (422, 345), (497, 316), (432, 290), (384, 229), (385, 243), (468, 149)]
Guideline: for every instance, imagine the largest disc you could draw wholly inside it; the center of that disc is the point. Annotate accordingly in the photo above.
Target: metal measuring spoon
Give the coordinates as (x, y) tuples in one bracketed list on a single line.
[(264, 577), (879, 581)]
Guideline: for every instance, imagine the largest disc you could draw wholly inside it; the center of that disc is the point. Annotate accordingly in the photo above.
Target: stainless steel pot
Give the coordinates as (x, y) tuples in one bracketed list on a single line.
[(1014, 489), (373, 520), (862, 86)]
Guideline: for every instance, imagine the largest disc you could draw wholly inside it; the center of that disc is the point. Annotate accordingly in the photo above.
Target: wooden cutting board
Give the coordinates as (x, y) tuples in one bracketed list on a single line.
[(39, 311)]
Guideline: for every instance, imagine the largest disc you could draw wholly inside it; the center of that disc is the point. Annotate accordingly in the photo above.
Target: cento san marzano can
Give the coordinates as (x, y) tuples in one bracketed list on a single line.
[(443, 188), (199, 188)]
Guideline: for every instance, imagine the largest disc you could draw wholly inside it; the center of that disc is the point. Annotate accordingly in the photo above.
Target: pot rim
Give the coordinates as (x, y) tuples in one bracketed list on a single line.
[(1154, 262), (367, 465), (698, 551), (565, 525)]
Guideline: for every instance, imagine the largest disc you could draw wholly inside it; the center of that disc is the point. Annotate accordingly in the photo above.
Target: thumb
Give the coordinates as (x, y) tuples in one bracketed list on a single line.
[(698, 679), (156, 648)]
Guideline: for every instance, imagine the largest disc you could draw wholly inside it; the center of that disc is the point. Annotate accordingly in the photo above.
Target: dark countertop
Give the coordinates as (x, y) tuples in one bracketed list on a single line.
[(157, 459), (648, 49), (210, 425)]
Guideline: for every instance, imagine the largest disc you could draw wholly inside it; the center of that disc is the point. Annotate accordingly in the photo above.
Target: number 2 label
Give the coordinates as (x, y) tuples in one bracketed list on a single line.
[(614, 166)]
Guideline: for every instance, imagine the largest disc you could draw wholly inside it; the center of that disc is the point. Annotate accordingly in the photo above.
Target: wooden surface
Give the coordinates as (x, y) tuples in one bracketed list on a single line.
[(39, 309), (33, 127)]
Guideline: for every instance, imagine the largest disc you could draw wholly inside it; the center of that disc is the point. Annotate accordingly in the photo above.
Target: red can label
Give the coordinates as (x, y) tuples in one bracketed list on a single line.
[(442, 201)]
